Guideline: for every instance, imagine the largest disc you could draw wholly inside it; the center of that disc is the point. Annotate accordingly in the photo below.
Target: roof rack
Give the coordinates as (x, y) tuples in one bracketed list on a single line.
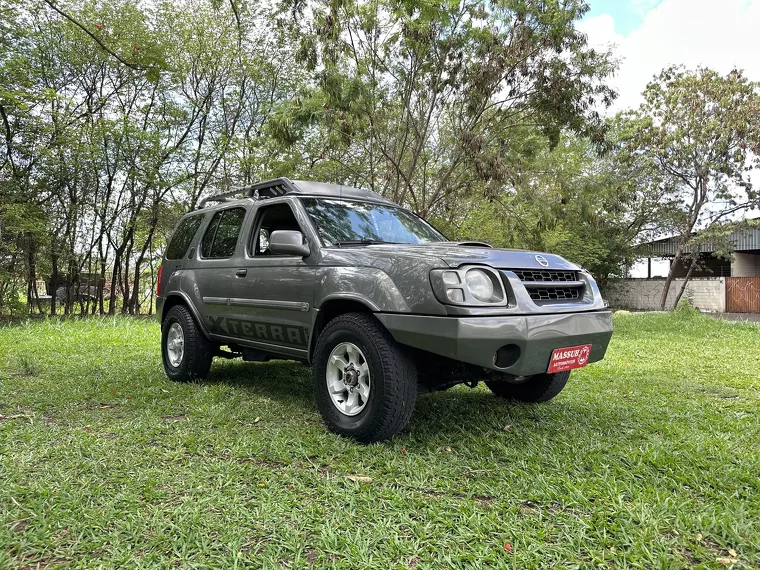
[(267, 189)]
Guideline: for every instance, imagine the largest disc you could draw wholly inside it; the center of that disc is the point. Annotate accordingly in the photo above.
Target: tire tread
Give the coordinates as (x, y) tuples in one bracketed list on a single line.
[(199, 351)]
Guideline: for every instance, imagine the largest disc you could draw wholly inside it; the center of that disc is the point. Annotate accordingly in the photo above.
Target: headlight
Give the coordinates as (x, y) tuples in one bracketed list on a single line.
[(468, 286), (479, 285)]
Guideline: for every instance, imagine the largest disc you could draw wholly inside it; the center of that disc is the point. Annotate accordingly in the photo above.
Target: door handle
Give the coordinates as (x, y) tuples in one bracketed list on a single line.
[(241, 273)]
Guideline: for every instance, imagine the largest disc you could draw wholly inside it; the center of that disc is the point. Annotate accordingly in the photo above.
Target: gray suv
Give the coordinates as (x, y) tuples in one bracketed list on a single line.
[(377, 300)]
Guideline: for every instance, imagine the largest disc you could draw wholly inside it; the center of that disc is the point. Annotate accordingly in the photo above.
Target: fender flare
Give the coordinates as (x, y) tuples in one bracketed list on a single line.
[(185, 300), (356, 298), (350, 297)]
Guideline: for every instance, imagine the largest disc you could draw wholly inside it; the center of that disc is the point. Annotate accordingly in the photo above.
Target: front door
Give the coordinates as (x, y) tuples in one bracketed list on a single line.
[(272, 295)]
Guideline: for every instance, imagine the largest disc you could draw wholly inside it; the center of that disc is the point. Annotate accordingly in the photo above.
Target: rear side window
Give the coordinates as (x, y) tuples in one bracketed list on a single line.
[(182, 237), (221, 237)]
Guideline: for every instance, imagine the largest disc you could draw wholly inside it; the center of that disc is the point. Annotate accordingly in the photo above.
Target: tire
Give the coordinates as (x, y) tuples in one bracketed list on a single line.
[(538, 388), (197, 353), (392, 379)]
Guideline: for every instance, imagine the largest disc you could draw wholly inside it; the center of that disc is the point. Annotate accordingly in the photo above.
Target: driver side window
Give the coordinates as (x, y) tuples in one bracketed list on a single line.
[(270, 219)]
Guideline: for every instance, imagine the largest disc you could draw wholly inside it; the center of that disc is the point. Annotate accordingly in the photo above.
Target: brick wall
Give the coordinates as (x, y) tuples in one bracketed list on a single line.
[(708, 294)]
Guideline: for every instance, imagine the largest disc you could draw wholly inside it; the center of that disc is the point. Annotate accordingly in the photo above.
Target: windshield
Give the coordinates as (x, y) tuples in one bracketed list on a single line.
[(346, 222)]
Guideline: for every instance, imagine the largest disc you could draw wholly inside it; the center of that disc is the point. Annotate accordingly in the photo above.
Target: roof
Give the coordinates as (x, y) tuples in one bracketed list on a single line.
[(743, 240), (283, 186)]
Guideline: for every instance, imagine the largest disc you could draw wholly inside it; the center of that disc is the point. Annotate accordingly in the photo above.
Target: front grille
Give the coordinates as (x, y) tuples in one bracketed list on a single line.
[(547, 286), (543, 275), (554, 293)]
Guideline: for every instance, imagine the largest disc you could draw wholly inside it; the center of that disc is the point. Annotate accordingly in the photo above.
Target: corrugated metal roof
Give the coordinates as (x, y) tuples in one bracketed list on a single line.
[(744, 240)]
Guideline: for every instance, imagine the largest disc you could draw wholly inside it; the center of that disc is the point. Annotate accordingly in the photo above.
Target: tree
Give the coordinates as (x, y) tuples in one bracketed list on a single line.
[(699, 132), (589, 207), (115, 120), (422, 101)]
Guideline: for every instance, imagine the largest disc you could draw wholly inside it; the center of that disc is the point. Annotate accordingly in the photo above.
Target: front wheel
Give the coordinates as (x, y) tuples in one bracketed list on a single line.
[(365, 386), (538, 388)]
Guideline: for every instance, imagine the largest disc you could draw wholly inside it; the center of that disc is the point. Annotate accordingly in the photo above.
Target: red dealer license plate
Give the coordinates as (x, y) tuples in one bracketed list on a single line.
[(569, 358)]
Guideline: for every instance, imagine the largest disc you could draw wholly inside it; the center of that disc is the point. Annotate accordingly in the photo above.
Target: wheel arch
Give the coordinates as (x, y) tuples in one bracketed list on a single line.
[(180, 298), (332, 308)]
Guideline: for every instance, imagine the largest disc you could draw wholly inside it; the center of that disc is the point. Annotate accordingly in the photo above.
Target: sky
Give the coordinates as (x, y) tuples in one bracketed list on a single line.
[(649, 35)]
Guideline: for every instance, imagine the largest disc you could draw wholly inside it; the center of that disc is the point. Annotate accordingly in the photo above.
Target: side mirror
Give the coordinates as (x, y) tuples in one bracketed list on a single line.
[(288, 242)]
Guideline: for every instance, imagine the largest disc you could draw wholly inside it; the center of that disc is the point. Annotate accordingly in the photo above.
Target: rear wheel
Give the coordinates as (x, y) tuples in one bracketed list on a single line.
[(538, 388), (365, 385), (187, 353)]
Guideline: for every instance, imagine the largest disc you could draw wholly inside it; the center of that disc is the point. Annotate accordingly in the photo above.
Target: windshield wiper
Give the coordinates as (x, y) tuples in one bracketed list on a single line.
[(364, 241)]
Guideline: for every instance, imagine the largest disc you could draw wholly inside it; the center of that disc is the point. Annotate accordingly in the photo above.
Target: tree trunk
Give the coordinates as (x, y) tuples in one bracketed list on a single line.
[(53, 284), (134, 303), (114, 279), (152, 278), (69, 305), (671, 276), (33, 294), (685, 281), (101, 285), (125, 285)]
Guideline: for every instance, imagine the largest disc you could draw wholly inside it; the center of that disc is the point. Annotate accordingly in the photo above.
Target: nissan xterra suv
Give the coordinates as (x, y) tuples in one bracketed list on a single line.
[(379, 302)]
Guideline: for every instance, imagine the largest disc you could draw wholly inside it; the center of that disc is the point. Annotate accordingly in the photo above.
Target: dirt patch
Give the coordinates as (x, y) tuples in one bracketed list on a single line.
[(312, 555), (430, 494), (19, 525), (175, 418), (102, 406), (40, 563), (17, 417), (529, 508)]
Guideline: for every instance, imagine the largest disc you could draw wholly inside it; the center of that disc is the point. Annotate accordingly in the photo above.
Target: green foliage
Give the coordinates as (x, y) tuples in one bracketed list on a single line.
[(117, 117), (427, 102), (570, 200), (685, 309)]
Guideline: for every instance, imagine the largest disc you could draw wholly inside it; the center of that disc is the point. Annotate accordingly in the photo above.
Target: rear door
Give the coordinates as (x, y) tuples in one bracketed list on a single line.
[(272, 301), (215, 266)]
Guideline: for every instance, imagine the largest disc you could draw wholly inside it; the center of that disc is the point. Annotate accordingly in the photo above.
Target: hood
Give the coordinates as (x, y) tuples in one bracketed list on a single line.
[(454, 254), (505, 258)]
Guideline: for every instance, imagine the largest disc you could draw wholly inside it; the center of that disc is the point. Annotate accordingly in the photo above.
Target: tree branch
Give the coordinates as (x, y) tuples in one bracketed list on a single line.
[(103, 46)]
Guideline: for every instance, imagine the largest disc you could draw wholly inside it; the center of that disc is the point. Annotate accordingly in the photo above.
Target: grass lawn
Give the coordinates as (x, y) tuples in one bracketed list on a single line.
[(650, 458)]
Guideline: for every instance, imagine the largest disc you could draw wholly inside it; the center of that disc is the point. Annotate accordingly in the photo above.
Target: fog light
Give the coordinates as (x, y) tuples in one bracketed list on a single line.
[(506, 356)]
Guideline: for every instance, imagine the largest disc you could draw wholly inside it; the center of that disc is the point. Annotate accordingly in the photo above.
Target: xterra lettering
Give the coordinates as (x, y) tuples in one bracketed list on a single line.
[(297, 336)]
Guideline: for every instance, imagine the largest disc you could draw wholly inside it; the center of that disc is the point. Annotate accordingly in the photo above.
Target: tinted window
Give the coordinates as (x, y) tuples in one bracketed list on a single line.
[(182, 237), (341, 221), (222, 234)]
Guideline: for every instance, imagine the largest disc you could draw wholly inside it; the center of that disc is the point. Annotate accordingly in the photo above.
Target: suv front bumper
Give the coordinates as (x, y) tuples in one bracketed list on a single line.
[(477, 339)]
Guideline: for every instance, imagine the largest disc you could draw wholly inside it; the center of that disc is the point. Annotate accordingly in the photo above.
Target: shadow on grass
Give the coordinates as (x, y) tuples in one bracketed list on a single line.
[(438, 416), (283, 380)]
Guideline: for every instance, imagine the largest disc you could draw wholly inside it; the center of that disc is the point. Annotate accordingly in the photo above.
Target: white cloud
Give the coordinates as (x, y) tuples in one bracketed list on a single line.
[(721, 35), (644, 6)]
